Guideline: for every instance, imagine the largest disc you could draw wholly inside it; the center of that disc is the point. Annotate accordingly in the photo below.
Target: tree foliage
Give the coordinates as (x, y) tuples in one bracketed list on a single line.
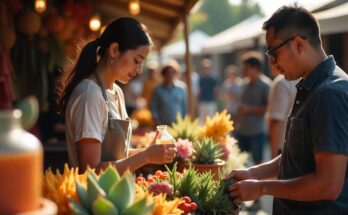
[(215, 16)]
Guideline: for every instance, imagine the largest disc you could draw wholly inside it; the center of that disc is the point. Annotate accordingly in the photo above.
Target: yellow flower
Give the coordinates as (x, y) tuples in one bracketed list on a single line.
[(161, 205), (57, 187), (217, 127)]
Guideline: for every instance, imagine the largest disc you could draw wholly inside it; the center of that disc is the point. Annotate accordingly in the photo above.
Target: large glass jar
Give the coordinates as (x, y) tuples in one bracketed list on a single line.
[(164, 137), (21, 160)]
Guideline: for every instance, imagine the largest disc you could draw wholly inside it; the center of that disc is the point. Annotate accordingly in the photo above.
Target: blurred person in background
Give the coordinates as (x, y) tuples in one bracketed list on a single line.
[(231, 89), (152, 80), (195, 88), (170, 97), (208, 89), (281, 98), (251, 129)]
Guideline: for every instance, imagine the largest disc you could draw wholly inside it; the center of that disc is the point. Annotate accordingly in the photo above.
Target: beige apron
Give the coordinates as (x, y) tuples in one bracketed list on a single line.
[(115, 145)]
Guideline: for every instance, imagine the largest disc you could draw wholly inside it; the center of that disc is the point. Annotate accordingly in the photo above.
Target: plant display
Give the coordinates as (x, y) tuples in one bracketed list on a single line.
[(184, 128), (184, 149), (209, 195), (206, 151), (60, 185), (217, 127), (110, 194)]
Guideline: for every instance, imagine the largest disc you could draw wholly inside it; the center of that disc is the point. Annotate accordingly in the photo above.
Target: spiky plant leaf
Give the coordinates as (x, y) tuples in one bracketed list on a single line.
[(122, 193), (108, 178), (184, 128), (206, 151), (102, 206), (76, 208), (93, 189), (82, 194), (138, 208)]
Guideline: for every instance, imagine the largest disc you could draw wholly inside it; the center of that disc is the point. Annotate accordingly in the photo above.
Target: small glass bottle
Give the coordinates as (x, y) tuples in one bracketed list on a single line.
[(21, 159), (164, 137)]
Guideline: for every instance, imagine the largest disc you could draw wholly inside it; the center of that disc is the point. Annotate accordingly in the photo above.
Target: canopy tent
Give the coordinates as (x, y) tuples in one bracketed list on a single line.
[(240, 35), (333, 20), (331, 17), (161, 17), (177, 49)]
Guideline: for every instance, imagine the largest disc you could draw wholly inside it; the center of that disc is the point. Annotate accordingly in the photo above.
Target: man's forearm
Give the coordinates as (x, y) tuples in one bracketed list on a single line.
[(266, 170), (305, 188)]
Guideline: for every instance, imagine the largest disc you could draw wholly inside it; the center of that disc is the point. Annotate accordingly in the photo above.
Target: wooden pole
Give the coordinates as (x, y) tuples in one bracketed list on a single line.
[(188, 66)]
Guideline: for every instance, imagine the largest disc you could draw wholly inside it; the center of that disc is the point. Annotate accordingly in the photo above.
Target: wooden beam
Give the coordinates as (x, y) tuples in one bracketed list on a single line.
[(178, 3), (161, 9), (188, 67)]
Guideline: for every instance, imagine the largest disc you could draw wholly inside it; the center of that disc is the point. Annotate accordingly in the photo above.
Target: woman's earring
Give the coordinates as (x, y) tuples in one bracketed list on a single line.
[(112, 61)]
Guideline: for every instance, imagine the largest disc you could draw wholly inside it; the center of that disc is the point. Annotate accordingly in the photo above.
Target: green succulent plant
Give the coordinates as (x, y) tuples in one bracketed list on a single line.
[(209, 194), (108, 195), (184, 128), (206, 151)]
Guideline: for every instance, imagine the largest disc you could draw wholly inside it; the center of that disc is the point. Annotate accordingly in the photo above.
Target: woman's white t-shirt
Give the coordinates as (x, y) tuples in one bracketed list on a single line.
[(87, 114)]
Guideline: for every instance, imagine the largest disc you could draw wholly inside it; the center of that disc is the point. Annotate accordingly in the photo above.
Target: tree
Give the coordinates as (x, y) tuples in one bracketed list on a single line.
[(220, 15), (215, 16)]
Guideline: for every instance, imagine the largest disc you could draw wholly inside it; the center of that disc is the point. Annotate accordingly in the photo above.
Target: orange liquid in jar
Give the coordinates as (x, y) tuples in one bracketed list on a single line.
[(20, 182), (165, 141)]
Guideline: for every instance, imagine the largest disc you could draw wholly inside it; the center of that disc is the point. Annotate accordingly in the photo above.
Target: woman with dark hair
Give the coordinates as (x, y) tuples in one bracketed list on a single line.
[(97, 126)]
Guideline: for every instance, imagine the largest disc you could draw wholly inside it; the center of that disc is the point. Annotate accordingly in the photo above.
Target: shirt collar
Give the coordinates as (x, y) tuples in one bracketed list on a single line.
[(323, 70)]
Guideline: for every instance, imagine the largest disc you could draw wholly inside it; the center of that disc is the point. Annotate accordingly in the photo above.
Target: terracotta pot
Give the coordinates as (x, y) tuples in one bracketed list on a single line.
[(213, 168)]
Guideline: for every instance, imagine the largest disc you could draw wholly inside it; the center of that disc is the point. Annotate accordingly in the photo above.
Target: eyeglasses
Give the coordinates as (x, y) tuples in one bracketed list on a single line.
[(271, 53)]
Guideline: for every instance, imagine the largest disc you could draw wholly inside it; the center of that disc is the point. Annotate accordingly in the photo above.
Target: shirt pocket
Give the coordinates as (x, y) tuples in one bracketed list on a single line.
[(296, 136)]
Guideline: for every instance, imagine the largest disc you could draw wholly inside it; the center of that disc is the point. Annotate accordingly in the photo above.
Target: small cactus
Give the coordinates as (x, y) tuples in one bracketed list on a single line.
[(206, 151), (110, 194)]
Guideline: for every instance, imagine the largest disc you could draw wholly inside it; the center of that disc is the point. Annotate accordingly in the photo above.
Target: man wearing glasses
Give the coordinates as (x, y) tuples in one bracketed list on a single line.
[(312, 176)]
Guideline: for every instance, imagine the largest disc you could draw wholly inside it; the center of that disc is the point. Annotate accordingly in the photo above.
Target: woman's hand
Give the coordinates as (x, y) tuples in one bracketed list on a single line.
[(160, 153)]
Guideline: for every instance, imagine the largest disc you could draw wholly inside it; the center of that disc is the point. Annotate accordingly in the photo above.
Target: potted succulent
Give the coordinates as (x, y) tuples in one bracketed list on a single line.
[(209, 195), (110, 194), (206, 157)]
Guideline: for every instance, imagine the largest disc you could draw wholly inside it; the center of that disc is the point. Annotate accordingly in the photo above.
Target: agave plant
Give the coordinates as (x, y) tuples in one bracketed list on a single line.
[(110, 194), (210, 195), (184, 128), (206, 151)]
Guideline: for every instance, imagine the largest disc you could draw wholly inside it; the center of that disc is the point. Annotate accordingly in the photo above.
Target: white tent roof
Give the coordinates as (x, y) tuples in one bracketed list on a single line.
[(197, 38), (333, 20), (235, 36), (243, 35)]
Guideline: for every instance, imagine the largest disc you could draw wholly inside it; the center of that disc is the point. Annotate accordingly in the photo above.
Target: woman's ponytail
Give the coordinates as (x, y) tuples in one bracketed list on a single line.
[(86, 64)]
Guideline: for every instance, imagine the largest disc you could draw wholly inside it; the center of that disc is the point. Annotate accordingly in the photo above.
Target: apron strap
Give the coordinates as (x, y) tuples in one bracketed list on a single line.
[(100, 83)]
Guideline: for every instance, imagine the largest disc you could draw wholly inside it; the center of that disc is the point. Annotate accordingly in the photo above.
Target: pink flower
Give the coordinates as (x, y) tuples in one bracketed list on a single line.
[(184, 148), (161, 187), (227, 147)]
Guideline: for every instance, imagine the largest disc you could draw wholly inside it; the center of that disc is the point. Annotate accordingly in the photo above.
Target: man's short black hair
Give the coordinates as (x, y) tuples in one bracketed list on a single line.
[(294, 20), (253, 59)]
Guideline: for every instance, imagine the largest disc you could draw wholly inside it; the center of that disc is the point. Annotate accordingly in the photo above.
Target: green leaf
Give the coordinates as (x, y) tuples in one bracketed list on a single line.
[(93, 189), (82, 194), (121, 193), (76, 208), (138, 208), (102, 206), (108, 178)]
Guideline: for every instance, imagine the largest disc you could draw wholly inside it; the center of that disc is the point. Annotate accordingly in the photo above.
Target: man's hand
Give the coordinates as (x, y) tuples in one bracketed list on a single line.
[(246, 190), (239, 174)]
